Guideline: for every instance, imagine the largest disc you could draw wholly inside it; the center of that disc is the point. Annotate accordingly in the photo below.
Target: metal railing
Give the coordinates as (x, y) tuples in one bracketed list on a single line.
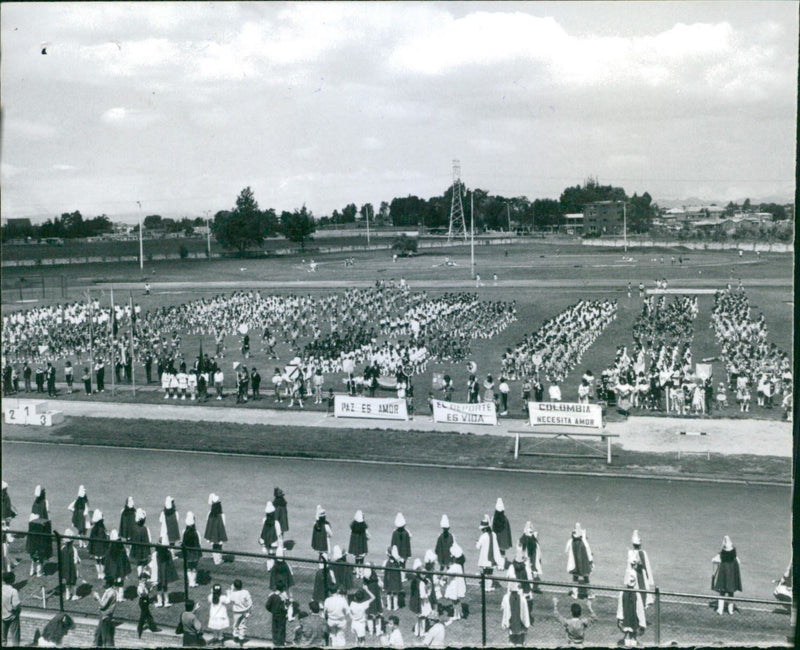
[(474, 620)]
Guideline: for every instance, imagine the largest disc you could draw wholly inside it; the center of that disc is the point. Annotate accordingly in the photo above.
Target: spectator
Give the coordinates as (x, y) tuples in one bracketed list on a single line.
[(435, 636), (576, 625), (218, 620), (12, 607), (358, 614), (242, 608), (145, 615), (104, 633), (189, 625), (393, 638), (336, 612), (54, 632)]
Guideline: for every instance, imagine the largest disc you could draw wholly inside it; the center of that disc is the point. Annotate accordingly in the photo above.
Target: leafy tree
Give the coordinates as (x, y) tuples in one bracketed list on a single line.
[(746, 205), (245, 226), (383, 214), (777, 211), (547, 212), (574, 198), (404, 245), (153, 222), (367, 212), (298, 226), (349, 213)]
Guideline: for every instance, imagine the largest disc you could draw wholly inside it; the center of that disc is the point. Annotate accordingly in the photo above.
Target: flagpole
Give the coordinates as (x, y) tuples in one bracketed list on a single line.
[(113, 320), (133, 359), (472, 233)]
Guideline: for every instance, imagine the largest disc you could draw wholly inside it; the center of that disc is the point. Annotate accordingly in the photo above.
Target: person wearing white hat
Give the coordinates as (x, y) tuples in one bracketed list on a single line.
[(281, 574), (401, 538), (215, 528), (127, 519), (359, 535), (116, 563), (489, 555), (170, 522), (630, 612), (456, 588), (40, 506), (68, 565), (7, 510), (271, 534), (392, 579), (419, 601), (324, 581), (532, 550), (78, 508), (501, 527), (38, 542), (140, 551), (580, 561), (98, 543), (321, 533), (727, 578), (520, 569), (165, 569), (190, 548), (640, 563), (341, 570), (514, 607), (444, 543)]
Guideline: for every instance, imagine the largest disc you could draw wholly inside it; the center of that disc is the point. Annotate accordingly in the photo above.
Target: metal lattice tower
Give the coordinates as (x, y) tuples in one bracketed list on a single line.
[(458, 226)]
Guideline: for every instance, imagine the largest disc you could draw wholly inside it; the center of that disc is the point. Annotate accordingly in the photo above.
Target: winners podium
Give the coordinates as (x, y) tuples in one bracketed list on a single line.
[(30, 412)]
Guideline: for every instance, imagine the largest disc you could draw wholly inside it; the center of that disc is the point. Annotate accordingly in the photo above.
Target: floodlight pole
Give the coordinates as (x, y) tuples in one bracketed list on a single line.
[(208, 235), (141, 246), (625, 226), (472, 233)]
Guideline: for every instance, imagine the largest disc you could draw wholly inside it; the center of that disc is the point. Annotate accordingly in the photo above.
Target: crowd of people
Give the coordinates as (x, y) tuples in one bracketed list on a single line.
[(658, 373), (348, 589), (750, 362), (558, 345), (386, 326)]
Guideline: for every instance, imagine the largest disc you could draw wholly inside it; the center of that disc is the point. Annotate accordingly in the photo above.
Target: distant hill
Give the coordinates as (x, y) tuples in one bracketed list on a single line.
[(693, 200)]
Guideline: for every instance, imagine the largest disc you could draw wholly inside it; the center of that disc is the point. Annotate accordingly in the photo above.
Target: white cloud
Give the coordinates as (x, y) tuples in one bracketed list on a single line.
[(60, 167), (29, 129), (119, 115), (371, 144)]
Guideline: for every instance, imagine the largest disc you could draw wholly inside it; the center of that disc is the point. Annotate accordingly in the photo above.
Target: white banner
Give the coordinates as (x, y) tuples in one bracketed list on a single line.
[(459, 413), (383, 408), (703, 370), (546, 415)]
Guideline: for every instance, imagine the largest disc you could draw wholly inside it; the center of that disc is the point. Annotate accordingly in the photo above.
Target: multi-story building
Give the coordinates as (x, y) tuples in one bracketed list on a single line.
[(603, 217)]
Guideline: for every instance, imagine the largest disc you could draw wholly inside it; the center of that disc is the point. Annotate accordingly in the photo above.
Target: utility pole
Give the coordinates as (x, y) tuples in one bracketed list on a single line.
[(625, 226), (366, 214), (208, 223), (141, 246), (508, 215), (472, 233)]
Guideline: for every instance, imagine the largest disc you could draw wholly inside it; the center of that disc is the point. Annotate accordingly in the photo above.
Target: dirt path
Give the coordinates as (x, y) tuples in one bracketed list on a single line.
[(649, 434)]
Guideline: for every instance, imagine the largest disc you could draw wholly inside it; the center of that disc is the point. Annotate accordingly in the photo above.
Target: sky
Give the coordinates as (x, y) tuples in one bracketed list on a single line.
[(177, 107)]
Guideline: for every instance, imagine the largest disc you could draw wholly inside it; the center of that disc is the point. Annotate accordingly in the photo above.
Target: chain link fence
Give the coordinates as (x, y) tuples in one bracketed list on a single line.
[(43, 577)]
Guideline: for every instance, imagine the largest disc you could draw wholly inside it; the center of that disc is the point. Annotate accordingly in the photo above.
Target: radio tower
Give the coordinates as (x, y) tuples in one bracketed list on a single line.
[(458, 227)]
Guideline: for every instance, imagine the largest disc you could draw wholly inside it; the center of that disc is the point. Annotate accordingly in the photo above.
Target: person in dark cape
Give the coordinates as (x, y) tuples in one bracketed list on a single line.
[(341, 570), (321, 533), (501, 527), (40, 506), (116, 564), (580, 561), (170, 525), (630, 612), (401, 538), (324, 581), (38, 542), (7, 510), (727, 577), (215, 528), (190, 549), (281, 509), (78, 508), (529, 541), (515, 611), (444, 543), (127, 519), (359, 535), (271, 533), (140, 550), (98, 543)]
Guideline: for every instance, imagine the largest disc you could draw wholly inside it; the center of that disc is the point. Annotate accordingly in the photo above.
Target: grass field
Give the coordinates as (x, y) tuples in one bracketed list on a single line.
[(427, 448), (543, 278)]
